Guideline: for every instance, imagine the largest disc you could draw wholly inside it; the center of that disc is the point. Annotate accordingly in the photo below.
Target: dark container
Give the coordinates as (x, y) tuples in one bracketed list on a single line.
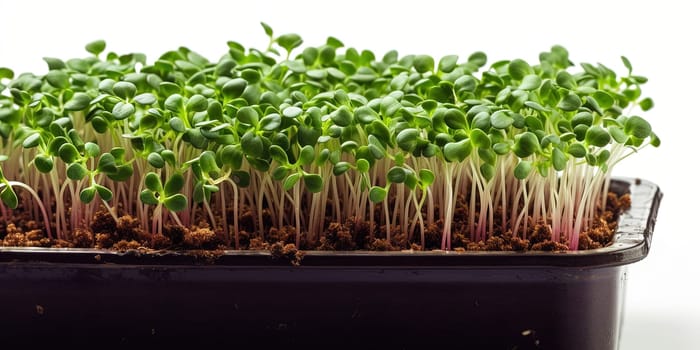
[(397, 300)]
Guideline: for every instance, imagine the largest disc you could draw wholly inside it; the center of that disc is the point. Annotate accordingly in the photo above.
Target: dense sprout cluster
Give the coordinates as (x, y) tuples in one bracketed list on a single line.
[(318, 135)]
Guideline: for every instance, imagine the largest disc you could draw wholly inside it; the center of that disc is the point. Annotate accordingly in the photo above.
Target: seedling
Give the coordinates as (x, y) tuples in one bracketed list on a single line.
[(321, 134)]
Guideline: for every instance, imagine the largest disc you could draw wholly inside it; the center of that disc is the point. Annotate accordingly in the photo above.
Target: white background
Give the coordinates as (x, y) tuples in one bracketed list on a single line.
[(663, 300)]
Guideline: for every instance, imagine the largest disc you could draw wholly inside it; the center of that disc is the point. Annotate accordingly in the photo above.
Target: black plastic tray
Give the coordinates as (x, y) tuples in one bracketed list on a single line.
[(395, 300)]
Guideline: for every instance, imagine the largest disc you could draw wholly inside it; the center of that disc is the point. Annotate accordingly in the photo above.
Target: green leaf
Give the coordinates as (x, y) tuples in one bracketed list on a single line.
[(603, 156), (655, 140), (88, 194), (455, 119), (377, 194), (278, 154), (124, 89), (152, 182), (148, 197), (123, 110), (96, 47), (155, 160), (271, 122), (104, 192), (92, 150), (577, 150), (340, 168), (646, 104), (100, 124), (9, 197), (457, 151), (407, 139), (488, 155), (280, 173), (637, 127), (43, 163), (396, 175), (310, 55), (423, 63), (123, 173), (240, 178), (306, 155), (313, 182), (174, 184), (530, 82), (501, 148), (522, 170), (79, 102), (289, 41), (597, 136), (6, 73), (487, 171), (559, 159), (207, 161), (58, 79), (362, 165), (501, 120), (107, 164), (618, 134), (570, 102), (145, 99), (248, 115), (197, 103), (177, 124), (426, 177), (526, 144), (290, 181), (267, 28), (54, 63), (604, 99), (566, 80), (234, 88), (518, 69), (342, 116), (627, 64), (584, 118), (327, 56), (177, 202), (365, 114), (292, 112), (478, 59), (448, 63), (480, 139), (252, 144), (252, 76), (76, 171), (68, 153), (32, 140)]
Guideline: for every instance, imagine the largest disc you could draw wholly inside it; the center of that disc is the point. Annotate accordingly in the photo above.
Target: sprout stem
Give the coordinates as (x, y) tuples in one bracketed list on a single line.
[(31, 191)]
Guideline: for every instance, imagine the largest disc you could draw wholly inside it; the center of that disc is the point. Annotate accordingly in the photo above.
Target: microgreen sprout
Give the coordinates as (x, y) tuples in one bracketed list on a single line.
[(306, 136)]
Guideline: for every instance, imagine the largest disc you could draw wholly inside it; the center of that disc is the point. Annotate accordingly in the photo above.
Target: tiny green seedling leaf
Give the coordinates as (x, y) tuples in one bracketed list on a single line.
[(152, 182), (76, 171), (177, 202), (267, 28), (290, 181), (637, 127), (96, 47), (9, 197), (313, 182), (79, 102), (377, 194), (88, 194)]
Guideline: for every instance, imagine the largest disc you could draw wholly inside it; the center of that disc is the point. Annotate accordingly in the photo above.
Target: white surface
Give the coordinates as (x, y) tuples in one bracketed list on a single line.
[(663, 307)]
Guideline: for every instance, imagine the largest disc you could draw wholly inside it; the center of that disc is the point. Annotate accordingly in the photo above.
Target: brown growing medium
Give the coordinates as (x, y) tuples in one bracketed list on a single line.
[(127, 234)]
